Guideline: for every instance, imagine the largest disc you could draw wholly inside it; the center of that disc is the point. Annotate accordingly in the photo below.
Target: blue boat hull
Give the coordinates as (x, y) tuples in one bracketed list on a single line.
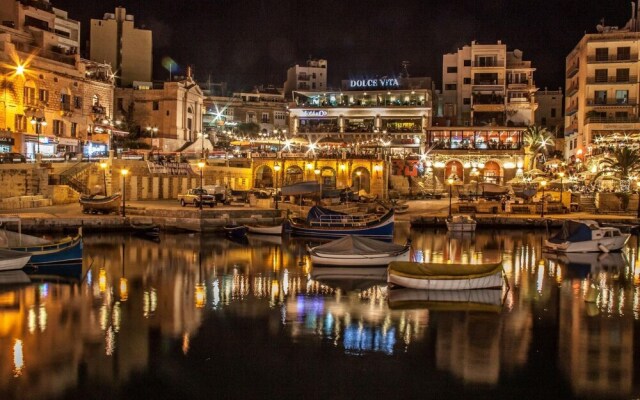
[(383, 230), (64, 252)]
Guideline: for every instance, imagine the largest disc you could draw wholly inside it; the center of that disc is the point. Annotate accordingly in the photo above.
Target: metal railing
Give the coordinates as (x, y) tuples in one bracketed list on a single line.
[(612, 79), (612, 58), (612, 102)]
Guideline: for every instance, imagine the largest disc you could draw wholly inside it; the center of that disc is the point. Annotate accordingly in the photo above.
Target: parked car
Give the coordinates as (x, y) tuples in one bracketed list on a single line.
[(221, 193), (8, 158), (193, 196)]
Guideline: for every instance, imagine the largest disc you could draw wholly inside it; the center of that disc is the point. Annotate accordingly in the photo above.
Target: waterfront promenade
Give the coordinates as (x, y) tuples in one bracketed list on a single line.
[(168, 214)]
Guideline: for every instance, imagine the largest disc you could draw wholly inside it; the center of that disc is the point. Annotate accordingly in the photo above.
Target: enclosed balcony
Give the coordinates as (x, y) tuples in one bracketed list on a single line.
[(475, 139)]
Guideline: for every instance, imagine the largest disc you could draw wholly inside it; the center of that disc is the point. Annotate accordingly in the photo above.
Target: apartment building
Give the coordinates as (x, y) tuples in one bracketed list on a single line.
[(602, 90), (484, 84), (309, 77)]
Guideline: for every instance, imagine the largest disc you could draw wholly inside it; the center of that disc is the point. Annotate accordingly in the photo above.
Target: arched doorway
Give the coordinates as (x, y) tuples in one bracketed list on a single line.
[(293, 175), (328, 176), (492, 172), (264, 177), (454, 170), (361, 180)]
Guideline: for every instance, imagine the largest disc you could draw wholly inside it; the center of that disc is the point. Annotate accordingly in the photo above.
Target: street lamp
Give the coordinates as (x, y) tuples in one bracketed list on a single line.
[(124, 173), (201, 165), (359, 174), (277, 169), (317, 172), (103, 166), (450, 182), (561, 175), (38, 123), (543, 184)]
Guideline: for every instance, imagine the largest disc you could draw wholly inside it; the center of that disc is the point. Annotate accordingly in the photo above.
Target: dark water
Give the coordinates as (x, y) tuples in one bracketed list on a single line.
[(204, 317)]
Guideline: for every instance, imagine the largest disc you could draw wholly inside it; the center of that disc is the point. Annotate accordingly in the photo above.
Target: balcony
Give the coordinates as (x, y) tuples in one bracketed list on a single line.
[(612, 102), (304, 77), (572, 70), (611, 80), (39, 4), (612, 120), (66, 107), (488, 64), (487, 82), (615, 58), (519, 85), (483, 99), (63, 58), (572, 90), (571, 110)]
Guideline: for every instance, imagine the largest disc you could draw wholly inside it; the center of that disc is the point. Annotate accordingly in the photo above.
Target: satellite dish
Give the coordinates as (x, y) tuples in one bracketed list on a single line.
[(517, 53), (599, 28)]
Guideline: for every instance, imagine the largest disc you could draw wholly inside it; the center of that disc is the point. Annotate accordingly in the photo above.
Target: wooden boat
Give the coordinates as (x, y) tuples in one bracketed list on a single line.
[(323, 222), (12, 259), (358, 251), (64, 251), (265, 229), (445, 276), (401, 207), (582, 236), (100, 204), (148, 229), (235, 231), (488, 300), (461, 223)]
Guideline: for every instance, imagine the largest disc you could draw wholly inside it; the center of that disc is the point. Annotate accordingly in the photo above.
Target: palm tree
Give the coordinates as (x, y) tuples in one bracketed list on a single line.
[(538, 140), (624, 162)]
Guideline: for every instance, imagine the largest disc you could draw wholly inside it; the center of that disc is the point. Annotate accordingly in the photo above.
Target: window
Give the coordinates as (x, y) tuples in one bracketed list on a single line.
[(624, 53), (58, 127), (553, 113), (600, 97), (74, 129), (450, 86), (251, 117), (265, 118), (452, 70), (29, 95), (601, 75), (65, 102), (313, 75), (622, 75), (543, 121), (313, 85), (21, 122), (119, 102), (466, 100), (602, 54), (43, 96), (467, 81), (466, 63), (95, 100), (156, 105), (622, 96), (279, 116), (622, 115), (570, 144), (486, 61), (77, 102)]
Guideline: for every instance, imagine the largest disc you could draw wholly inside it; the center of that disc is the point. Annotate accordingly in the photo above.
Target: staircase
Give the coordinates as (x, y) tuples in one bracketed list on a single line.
[(73, 177), (588, 203)]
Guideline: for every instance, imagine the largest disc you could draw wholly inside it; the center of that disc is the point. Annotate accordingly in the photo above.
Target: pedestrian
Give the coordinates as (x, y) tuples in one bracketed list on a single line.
[(503, 202)]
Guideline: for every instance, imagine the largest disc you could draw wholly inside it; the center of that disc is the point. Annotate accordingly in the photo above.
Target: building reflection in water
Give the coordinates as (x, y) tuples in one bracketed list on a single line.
[(135, 297)]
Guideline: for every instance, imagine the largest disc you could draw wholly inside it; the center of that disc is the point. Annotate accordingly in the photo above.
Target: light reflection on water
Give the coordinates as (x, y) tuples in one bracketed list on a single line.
[(212, 299)]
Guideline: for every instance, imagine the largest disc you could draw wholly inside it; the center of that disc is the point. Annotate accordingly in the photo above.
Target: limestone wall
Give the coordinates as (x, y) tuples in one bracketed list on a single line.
[(24, 180), (63, 194)]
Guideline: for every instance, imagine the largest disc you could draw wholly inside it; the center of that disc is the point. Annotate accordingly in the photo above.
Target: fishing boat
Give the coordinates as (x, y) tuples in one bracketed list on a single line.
[(63, 251), (100, 204), (323, 222), (148, 229), (582, 236), (11, 259), (461, 223), (235, 231), (265, 229), (445, 275), (358, 251), (488, 300)]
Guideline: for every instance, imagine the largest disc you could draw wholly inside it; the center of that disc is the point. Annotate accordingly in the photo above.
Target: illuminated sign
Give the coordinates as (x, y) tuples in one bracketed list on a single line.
[(7, 141), (314, 113), (374, 83)]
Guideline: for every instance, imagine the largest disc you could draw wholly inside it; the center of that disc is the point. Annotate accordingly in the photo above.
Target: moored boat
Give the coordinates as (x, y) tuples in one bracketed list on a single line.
[(358, 251), (12, 259), (488, 300), (148, 229), (63, 251), (582, 236), (100, 204), (461, 223), (235, 231), (350, 279), (265, 229), (445, 276), (323, 222)]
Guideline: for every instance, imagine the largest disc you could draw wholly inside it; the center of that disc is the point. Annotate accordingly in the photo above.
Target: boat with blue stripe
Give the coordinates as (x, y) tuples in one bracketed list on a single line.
[(64, 251), (327, 223)]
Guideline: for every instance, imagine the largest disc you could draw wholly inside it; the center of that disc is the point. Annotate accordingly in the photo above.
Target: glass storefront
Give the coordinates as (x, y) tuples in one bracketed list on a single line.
[(94, 149)]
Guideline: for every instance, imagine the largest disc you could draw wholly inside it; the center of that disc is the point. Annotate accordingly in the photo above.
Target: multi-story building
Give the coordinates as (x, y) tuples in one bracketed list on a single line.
[(53, 101), (309, 77), (549, 114), (115, 40), (484, 84), (172, 113), (602, 90)]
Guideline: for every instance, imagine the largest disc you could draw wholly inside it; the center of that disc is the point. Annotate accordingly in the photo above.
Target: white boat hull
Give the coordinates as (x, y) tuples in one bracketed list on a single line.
[(461, 227), (12, 260), (604, 245), (357, 259), (485, 282), (266, 230)]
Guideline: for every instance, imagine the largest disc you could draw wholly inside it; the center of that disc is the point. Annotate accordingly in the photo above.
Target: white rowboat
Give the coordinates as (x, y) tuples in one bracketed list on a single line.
[(353, 250)]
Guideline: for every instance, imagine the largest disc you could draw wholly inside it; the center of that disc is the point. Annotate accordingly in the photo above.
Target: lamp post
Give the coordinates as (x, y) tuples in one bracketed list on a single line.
[(201, 165), (317, 172), (543, 184), (450, 182), (103, 166), (277, 169), (38, 123), (359, 174), (561, 175), (124, 173)]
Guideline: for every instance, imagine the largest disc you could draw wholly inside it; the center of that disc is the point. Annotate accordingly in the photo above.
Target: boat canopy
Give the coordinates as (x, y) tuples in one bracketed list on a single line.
[(300, 188), (573, 231), (316, 212), (350, 245)]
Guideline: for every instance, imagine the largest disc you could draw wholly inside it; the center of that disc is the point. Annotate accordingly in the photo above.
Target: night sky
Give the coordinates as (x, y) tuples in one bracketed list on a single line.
[(252, 42)]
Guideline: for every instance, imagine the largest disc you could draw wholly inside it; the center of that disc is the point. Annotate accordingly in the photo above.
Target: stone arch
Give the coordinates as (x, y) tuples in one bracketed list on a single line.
[(293, 174), (361, 181), (454, 169), (264, 177), (492, 172)]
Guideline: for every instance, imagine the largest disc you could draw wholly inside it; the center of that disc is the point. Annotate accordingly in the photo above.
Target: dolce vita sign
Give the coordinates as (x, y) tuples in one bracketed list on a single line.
[(374, 83)]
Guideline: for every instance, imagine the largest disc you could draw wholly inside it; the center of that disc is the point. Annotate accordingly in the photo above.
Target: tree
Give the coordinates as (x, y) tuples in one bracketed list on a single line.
[(249, 129), (624, 163), (538, 140)]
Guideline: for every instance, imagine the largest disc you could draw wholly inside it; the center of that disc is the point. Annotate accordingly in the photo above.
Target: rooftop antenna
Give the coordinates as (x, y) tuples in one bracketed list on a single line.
[(405, 71)]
